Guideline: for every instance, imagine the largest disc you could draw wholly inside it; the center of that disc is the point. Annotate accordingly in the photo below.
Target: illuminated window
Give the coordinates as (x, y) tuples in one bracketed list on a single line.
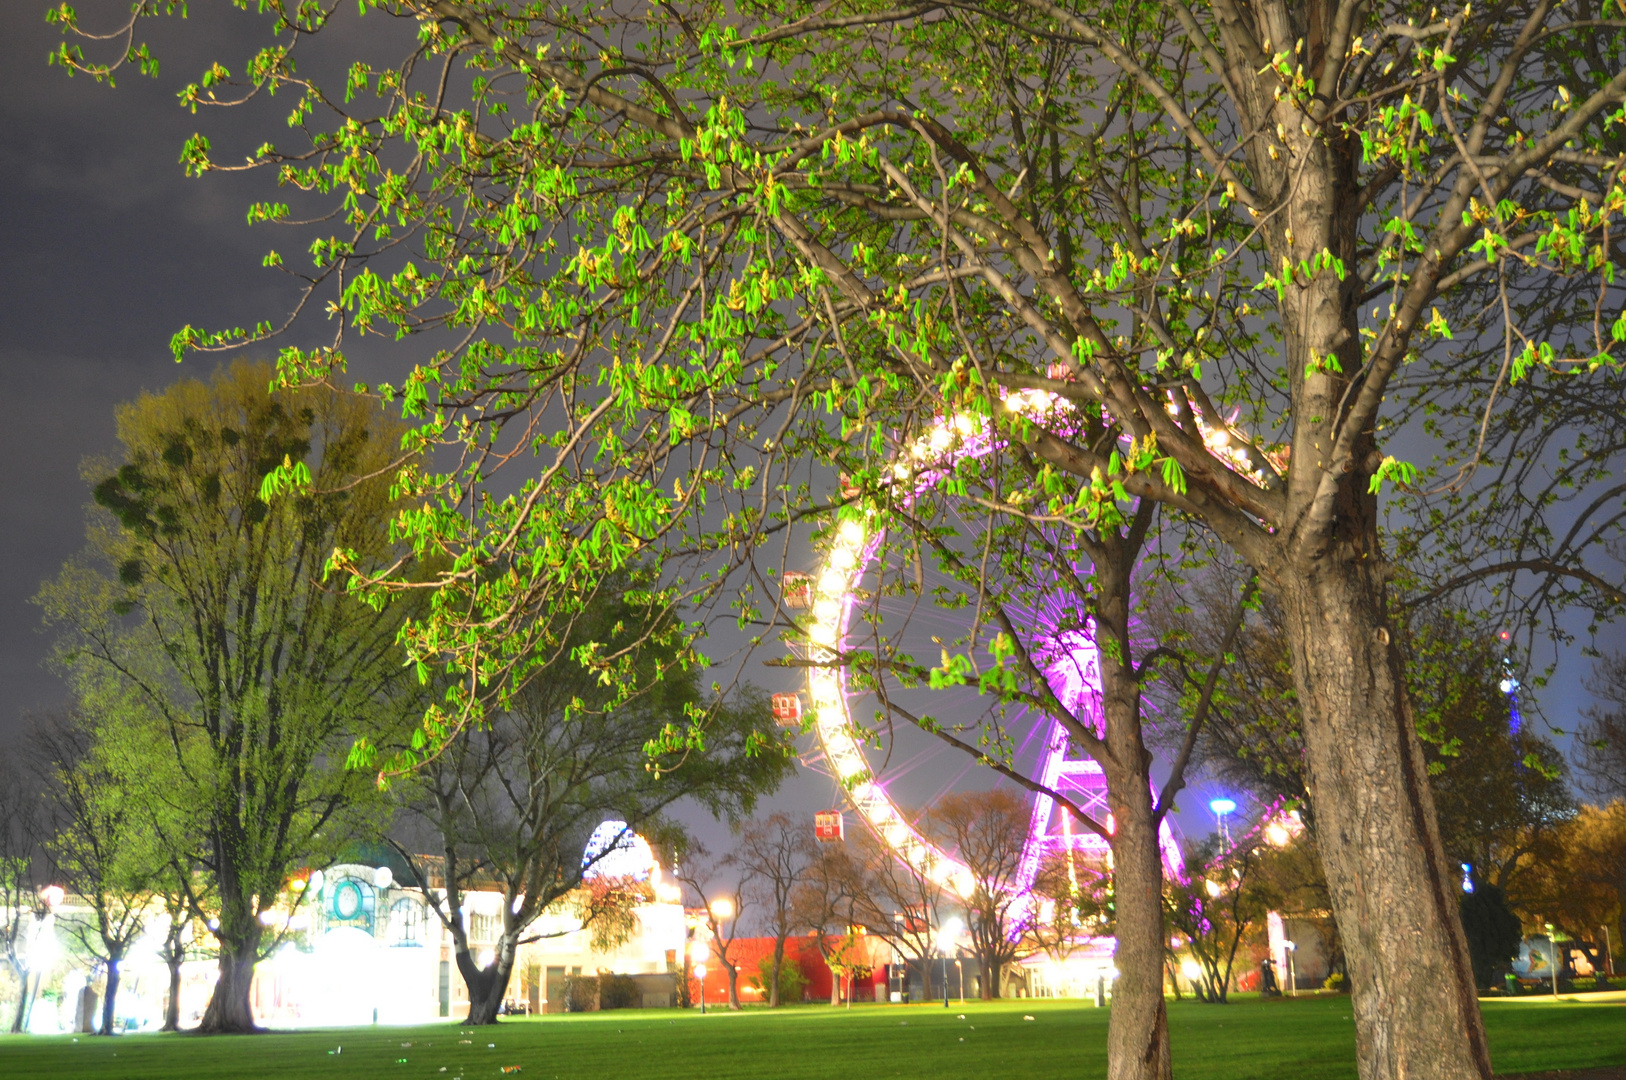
[(406, 925)]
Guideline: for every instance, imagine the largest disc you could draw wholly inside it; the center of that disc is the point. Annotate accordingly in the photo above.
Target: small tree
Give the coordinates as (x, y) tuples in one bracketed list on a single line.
[(895, 903), (826, 906), (1213, 909), (184, 894), (513, 804), (1580, 883), (700, 873), (21, 831), (1493, 932), (782, 983), (987, 831), (100, 847), (1074, 901), (774, 856), (227, 679)]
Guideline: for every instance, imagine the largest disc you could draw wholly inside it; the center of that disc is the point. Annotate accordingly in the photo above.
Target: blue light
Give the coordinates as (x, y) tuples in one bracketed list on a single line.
[(1467, 878), (1222, 806)]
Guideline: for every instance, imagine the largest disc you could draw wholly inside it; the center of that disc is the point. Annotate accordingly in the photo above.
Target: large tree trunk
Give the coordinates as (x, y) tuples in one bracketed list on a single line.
[(229, 1010), (1415, 1009), (20, 1015), (1138, 1027), (172, 1004), (111, 995), (239, 934), (489, 985), (778, 965), (925, 977), (733, 971)]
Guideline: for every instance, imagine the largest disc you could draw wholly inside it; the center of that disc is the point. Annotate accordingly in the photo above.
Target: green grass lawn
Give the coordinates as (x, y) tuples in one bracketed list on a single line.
[(1306, 1038)]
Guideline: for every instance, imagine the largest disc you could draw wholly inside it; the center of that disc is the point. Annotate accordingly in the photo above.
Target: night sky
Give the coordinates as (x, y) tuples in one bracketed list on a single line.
[(108, 249)]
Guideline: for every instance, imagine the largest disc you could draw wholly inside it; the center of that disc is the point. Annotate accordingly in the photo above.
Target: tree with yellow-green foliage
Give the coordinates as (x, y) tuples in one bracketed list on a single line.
[(226, 676), (700, 258)]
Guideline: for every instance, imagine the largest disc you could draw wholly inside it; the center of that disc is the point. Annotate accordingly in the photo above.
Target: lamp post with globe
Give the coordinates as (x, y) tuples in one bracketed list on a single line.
[(948, 937), (700, 977)]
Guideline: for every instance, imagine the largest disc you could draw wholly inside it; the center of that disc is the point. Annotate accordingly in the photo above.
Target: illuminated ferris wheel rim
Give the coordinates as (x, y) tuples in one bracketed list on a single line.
[(853, 547)]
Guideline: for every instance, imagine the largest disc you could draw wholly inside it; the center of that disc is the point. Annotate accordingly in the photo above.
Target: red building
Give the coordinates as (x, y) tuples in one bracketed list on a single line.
[(866, 958)]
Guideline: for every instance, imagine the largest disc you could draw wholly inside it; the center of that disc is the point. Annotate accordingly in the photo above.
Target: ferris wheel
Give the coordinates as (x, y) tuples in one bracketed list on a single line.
[(830, 594)]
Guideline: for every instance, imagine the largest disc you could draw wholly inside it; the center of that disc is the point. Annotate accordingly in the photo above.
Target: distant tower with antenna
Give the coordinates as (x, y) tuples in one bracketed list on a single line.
[(1510, 682)]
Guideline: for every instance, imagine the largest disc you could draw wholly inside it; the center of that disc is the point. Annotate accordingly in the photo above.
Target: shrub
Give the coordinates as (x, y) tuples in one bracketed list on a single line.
[(791, 980), (581, 993), (618, 992), (1336, 982)]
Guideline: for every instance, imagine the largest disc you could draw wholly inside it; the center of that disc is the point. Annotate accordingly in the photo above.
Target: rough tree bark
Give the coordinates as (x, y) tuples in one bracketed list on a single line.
[(1415, 1008), (778, 966), (733, 971), (20, 1014), (1375, 825), (239, 934), (112, 993), (174, 954), (230, 1011), (487, 985), (1138, 1028)]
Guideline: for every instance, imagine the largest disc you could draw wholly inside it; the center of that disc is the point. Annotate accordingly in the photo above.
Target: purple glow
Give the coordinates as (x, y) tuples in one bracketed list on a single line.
[(1074, 675)]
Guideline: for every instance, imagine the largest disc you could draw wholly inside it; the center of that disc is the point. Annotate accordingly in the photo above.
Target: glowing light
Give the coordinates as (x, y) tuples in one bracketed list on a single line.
[(700, 971), (383, 878), (1221, 806), (51, 896), (948, 935), (614, 850), (1073, 667), (1191, 969), (1214, 889), (722, 909), (1277, 834)]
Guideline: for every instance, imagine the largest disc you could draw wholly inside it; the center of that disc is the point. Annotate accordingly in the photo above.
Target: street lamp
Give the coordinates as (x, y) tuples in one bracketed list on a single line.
[(1222, 807), (700, 977), (947, 935)]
